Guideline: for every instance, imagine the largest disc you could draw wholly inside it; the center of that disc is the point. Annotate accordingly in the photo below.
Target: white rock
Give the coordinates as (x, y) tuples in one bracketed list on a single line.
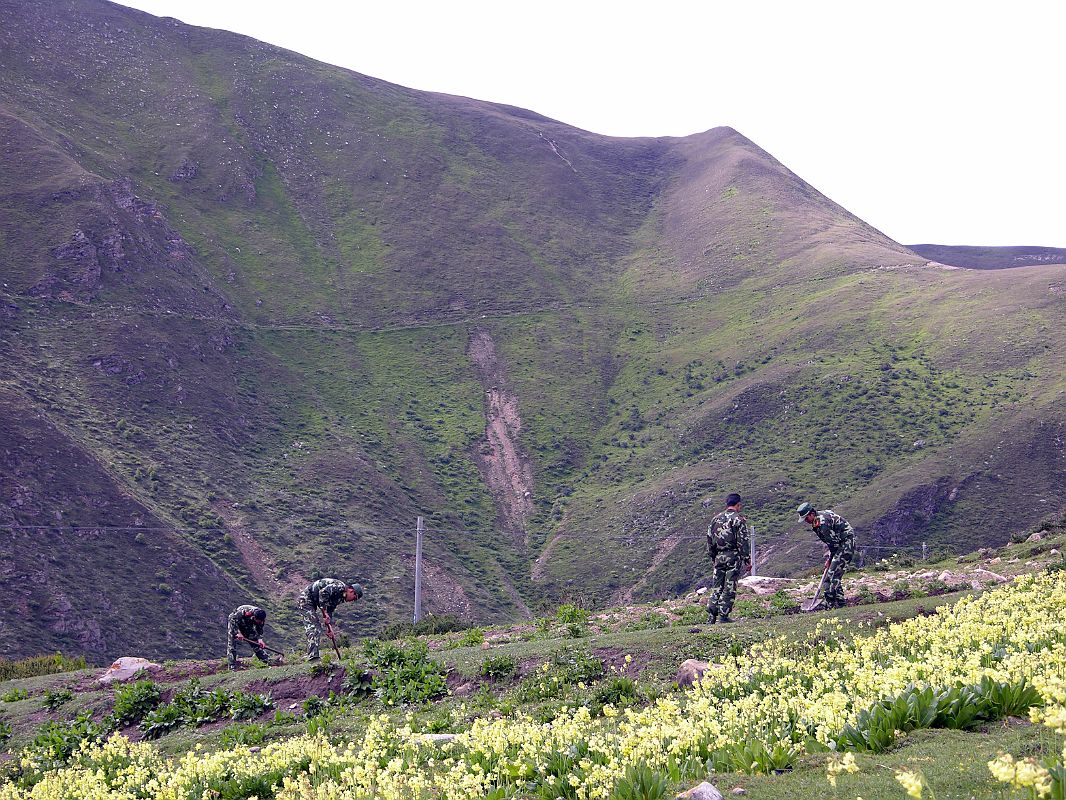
[(702, 590), (125, 669), (987, 576), (1036, 537), (738, 790), (1054, 551), (704, 791)]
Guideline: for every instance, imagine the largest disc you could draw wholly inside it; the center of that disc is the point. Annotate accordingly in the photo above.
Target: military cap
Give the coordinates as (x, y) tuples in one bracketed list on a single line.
[(804, 509)]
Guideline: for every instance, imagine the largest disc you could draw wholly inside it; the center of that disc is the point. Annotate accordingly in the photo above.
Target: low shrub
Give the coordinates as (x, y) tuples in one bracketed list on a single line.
[(54, 699), (39, 665), (404, 673), (501, 667), (14, 695), (134, 700), (246, 734), (568, 613)]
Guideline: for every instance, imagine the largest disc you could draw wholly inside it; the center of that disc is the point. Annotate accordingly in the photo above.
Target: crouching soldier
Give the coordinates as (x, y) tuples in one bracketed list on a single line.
[(246, 625), (730, 552), (839, 538), (318, 602)]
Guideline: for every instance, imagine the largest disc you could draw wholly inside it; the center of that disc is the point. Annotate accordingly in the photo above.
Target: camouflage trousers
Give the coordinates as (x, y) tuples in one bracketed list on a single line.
[(834, 591), (231, 646), (312, 626), (727, 570)]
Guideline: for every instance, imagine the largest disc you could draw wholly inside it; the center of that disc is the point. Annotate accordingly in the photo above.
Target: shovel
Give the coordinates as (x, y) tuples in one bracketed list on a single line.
[(808, 605), (280, 654), (333, 638)]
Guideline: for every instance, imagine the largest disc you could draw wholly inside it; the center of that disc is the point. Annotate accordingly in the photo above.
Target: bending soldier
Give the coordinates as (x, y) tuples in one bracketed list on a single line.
[(728, 547), (839, 537), (318, 602), (246, 625)]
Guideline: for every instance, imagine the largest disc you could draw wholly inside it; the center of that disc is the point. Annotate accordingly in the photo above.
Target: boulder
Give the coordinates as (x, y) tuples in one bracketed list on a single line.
[(982, 577), (691, 671), (952, 578), (125, 669), (463, 690), (704, 791), (739, 790), (1036, 537)]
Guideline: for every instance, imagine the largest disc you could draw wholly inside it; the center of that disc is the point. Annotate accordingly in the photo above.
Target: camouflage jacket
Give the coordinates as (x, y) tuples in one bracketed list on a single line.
[(728, 535), (247, 626), (835, 531), (326, 594)]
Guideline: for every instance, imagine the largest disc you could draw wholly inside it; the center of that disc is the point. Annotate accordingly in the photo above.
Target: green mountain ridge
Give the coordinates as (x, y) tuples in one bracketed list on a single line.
[(277, 310)]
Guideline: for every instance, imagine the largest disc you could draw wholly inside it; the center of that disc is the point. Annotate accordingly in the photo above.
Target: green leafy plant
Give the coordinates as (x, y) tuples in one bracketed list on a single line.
[(54, 699), (404, 673), (5, 731), (243, 705), (55, 742), (246, 734), (14, 695), (501, 667), (134, 700), (569, 613), (161, 720), (474, 637), (640, 782), (619, 691)]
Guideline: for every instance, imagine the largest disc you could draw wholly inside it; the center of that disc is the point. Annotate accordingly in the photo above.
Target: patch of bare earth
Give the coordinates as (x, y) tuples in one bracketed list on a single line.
[(263, 568), (504, 467)]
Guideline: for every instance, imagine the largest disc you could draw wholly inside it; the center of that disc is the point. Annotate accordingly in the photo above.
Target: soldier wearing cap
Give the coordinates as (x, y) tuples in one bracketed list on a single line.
[(839, 537), (246, 625), (318, 602), (730, 552)]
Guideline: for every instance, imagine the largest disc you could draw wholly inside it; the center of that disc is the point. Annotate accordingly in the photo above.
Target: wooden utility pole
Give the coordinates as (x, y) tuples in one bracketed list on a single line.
[(419, 528)]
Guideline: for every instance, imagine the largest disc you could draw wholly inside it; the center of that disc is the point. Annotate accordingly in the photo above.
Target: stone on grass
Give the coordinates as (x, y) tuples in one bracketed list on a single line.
[(704, 791), (125, 669), (690, 671)]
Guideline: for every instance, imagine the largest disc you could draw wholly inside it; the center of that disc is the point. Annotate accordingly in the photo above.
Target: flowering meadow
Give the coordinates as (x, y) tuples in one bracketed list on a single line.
[(1002, 652)]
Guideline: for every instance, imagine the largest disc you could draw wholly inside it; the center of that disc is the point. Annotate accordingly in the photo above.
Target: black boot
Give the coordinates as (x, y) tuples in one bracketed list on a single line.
[(725, 618)]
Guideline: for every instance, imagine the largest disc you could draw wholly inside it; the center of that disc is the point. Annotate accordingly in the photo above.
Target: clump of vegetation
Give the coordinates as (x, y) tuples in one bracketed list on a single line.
[(428, 626), (57, 698), (14, 695), (404, 673), (193, 706), (246, 734), (501, 667), (39, 665), (568, 614), (474, 637), (134, 700)]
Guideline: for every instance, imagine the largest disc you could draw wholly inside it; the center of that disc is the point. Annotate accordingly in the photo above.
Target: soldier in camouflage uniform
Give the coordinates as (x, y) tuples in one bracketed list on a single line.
[(246, 624), (318, 602), (730, 551), (839, 537)]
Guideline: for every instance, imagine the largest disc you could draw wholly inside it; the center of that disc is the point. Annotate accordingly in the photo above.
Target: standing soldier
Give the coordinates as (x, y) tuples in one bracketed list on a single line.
[(839, 537), (246, 625), (728, 547), (322, 598)]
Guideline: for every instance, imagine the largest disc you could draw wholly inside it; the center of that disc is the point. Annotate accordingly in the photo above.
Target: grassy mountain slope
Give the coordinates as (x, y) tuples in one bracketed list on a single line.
[(990, 257), (287, 308)]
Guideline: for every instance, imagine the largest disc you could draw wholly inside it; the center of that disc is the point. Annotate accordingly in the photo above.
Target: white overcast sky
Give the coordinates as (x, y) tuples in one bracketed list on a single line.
[(934, 121)]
